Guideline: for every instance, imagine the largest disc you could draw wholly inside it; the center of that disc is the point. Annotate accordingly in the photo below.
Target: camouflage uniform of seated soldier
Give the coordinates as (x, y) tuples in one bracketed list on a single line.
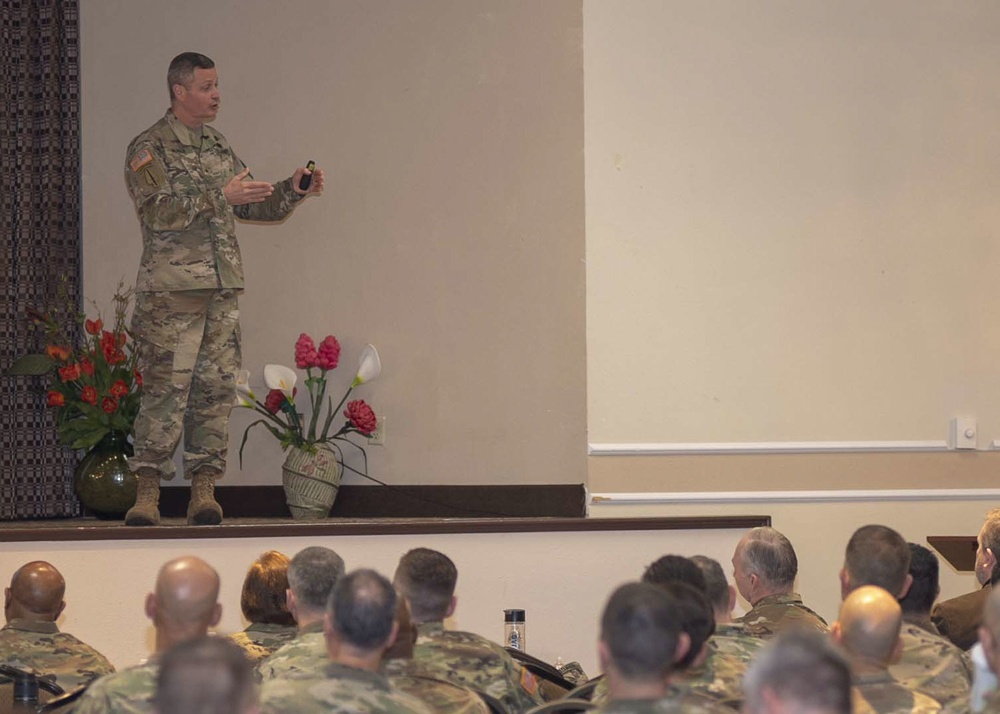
[(427, 578), (764, 569), (312, 575), (868, 629), (31, 640), (878, 555), (359, 627), (264, 604)]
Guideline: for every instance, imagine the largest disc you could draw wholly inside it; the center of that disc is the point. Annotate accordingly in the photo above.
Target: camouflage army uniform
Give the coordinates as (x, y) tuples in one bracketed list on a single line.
[(678, 699), (881, 694), (470, 660), (720, 678), (932, 665), (339, 689), (303, 656), (438, 694), (186, 318), (776, 613), (41, 648), (923, 621), (130, 691), (260, 639)]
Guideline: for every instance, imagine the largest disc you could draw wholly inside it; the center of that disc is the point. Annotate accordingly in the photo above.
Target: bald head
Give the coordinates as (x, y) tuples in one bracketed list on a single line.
[(185, 602), (869, 624), (36, 593)]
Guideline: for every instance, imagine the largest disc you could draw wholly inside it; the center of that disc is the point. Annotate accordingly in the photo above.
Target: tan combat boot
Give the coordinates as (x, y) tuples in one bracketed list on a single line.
[(146, 510), (203, 510)]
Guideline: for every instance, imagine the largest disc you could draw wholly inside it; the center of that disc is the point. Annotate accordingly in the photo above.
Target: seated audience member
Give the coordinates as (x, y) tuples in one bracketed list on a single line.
[(716, 671), (31, 640), (209, 675), (427, 578), (264, 605), (312, 575), (183, 606), (989, 640), (640, 640), (958, 618), (868, 629), (406, 675), (924, 589), (798, 672), (877, 555), (764, 568), (359, 627)]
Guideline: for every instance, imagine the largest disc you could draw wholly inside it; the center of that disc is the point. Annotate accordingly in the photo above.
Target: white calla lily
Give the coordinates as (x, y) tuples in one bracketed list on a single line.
[(277, 376), (244, 395), (369, 366)]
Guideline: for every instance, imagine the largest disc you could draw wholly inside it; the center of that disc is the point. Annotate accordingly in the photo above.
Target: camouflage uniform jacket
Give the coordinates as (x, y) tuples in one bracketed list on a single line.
[(881, 694), (678, 699), (305, 655), (932, 665), (775, 613), (472, 661), (923, 621), (680, 694), (338, 690), (438, 694), (175, 176), (130, 691), (43, 649), (720, 677), (262, 638)]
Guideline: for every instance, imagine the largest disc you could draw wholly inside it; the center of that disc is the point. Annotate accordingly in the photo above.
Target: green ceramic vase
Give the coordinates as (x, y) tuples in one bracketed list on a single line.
[(103, 481)]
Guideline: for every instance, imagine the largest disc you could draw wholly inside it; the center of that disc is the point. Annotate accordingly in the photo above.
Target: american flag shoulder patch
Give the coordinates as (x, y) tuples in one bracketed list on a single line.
[(142, 158)]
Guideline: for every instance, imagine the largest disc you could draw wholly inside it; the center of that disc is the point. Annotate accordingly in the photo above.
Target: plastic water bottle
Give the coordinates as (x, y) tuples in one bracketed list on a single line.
[(513, 630)]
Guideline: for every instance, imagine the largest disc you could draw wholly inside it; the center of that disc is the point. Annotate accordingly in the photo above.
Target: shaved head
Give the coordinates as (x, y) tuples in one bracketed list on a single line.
[(869, 624), (185, 602), (36, 592)]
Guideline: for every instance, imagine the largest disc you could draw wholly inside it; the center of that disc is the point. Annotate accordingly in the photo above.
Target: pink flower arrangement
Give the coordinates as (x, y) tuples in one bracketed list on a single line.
[(280, 415)]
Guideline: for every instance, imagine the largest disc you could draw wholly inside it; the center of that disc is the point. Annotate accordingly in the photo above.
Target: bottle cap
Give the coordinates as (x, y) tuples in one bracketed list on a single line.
[(26, 687), (513, 615)]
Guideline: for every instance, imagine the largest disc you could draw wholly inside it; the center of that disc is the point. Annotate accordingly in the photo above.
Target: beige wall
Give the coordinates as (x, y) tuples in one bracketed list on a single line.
[(791, 223), (560, 579), (451, 232)]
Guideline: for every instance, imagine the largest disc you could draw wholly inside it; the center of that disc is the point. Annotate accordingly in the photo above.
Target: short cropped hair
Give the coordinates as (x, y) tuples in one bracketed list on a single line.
[(924, 568), (207, 675), (427, 579), (716, 585), (695, 616), (312, 575), (770, 555), (263, 597), (182, 67), (674, 569), (804, 670), (363, 608), (877, 555), (640, 629)]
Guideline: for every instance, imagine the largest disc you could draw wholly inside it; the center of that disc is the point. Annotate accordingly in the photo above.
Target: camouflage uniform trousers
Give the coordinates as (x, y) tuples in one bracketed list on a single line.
[(41, 648), (304, 656), (932, 665), (130, 691), (472, 661), (774, 614), (261, 639), (189, 355), (338, 690), (880, 694), (439, 695)]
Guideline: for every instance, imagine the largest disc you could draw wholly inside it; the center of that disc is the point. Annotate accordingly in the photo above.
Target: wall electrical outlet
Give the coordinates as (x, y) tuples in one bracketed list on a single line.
[(378, 436)]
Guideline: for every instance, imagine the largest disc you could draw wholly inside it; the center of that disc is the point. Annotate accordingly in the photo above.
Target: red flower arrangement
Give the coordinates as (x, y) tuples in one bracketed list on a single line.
[(94, 387), (278, 410)]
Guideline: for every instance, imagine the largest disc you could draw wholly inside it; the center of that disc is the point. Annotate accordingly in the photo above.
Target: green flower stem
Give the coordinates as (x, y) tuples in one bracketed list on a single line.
[(333, 413)]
